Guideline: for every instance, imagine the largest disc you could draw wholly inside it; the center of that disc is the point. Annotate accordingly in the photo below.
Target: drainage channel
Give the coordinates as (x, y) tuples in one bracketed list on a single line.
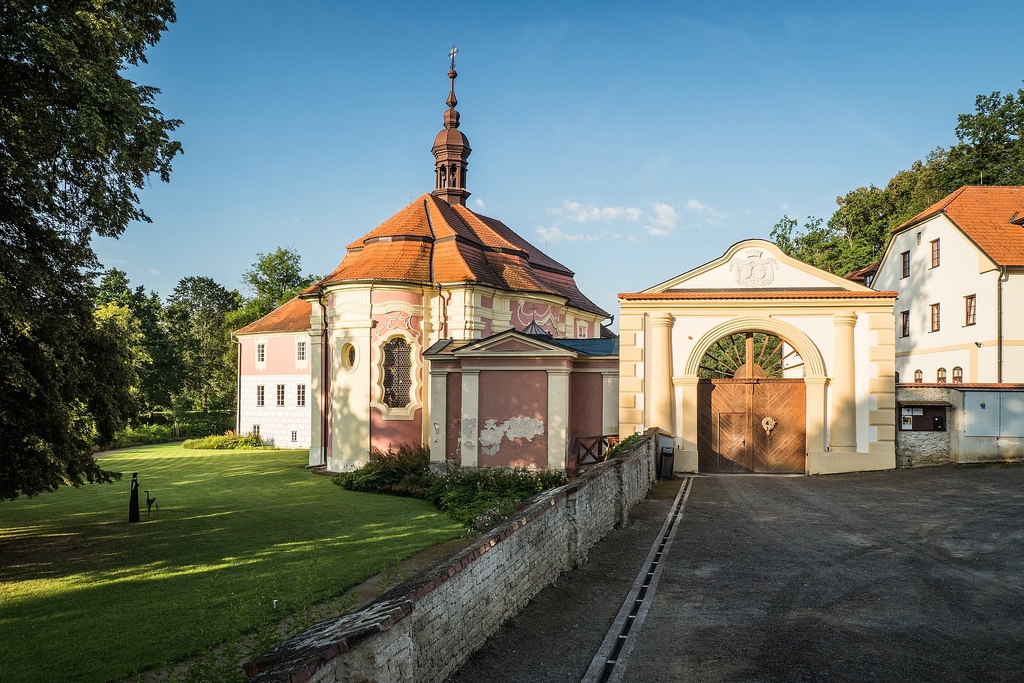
[(609, 663)]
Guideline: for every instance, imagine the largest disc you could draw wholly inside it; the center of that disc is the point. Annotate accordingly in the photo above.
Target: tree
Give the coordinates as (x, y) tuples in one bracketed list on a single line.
[(157, 376), (275, 278), (991, 149), (77, 139), (197, 318)]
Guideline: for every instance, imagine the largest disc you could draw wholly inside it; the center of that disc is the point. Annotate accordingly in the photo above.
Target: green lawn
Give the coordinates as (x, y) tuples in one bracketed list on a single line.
[(85, 596)]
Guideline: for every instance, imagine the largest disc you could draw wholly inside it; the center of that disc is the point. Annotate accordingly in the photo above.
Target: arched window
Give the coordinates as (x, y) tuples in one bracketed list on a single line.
[(940, 375), (397, 369), (918, 376), (958, 375)]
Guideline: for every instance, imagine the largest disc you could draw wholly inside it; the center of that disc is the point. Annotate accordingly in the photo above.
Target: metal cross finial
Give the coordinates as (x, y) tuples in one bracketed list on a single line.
[(454, 51)]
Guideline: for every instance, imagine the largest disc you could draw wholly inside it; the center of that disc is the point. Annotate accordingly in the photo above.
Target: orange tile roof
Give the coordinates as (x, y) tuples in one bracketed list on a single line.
[(291, 316), (433, 242), (690, 295), (987, 216)]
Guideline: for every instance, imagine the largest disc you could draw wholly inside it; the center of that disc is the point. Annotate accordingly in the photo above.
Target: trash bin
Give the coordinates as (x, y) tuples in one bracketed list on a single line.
[(666, 461)]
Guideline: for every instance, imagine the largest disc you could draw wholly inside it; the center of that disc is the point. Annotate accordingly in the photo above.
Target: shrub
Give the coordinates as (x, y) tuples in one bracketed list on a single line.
[(479, 498), (141, 436), (402, 472), (230, 440), (476, 498), (622, 447)]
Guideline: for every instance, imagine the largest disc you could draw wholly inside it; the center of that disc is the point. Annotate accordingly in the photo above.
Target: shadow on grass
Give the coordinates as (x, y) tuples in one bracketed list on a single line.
[(88, 596)]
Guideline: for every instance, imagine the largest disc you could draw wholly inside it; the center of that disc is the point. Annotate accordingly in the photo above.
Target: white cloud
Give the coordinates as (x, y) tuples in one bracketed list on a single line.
[(556, 234), (480, 203), (154, 271), (784, 206), (578, 213), (711, 217), (665, 219)]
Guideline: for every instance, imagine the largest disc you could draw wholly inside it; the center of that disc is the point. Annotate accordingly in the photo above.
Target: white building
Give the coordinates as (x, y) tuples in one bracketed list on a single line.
[(958, 267)]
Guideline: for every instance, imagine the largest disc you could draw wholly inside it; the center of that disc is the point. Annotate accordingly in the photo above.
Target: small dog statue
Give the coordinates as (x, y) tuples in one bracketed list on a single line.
[(150, 503)]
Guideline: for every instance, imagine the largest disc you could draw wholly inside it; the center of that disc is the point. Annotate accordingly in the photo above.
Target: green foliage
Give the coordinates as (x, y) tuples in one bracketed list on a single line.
[(196, 316), (623, 447), (158, 376), (274, 279), (234, 532), (401, 472), (77, 139), (143, 435), (227, 441), (991, 148), (990, 152), (477, 498), (728, 355)]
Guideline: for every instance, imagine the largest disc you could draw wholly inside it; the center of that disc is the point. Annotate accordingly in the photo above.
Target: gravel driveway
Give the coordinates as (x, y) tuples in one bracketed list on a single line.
[(912, 575)]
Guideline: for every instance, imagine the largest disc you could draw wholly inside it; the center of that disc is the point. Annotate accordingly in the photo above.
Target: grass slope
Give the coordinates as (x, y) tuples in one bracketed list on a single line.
[(85, 596)]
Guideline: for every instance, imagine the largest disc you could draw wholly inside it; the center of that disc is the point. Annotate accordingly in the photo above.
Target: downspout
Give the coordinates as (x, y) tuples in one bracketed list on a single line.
[(325, 375), (999, 325)]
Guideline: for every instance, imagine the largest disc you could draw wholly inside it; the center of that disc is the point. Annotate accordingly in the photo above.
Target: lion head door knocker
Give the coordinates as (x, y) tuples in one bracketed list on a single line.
[(768, 424)]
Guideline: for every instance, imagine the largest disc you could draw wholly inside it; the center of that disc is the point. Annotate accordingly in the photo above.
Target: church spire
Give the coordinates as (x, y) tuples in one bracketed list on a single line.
[(451, 149)]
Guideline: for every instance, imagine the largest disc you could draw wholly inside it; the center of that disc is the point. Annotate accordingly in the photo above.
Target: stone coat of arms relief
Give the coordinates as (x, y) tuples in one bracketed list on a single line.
[(753, 268)]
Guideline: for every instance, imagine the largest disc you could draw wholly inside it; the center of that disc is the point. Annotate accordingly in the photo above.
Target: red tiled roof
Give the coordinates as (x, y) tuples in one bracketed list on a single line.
[(291, 316), (433, 242), (988, 216), (733, 294)]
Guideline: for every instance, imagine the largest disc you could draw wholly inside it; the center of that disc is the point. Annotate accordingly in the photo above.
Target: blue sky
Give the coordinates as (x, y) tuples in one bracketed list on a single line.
[(632, 142)]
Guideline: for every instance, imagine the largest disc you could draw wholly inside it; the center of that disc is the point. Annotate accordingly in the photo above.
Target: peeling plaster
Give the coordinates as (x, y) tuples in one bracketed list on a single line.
[(512, 429)]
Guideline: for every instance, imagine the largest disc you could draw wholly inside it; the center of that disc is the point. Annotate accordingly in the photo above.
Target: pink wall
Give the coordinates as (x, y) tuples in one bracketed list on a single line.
[(280, 354), (547, 316), (379, 296), (516, 399), (385, 433), (453, 417), (585, 403)]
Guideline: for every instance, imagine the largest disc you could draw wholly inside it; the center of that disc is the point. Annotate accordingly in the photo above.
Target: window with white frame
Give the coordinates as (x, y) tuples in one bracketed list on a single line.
[(300, 395), (940, 375), (295, 436), (255, 430), (280, 394), (958, 375), (918, 377), (300, 351), (261, 395), (261, 352)]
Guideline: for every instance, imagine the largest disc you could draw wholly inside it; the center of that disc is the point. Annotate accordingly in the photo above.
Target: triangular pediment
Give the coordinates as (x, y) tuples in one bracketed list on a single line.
[(756, 265), (513, 342)]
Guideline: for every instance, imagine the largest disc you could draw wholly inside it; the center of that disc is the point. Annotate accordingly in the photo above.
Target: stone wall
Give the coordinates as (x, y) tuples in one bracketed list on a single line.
[(922, 449), (424, 629)]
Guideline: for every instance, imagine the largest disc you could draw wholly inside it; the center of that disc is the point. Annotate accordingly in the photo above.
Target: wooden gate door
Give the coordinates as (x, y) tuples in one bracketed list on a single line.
[(751, 425)]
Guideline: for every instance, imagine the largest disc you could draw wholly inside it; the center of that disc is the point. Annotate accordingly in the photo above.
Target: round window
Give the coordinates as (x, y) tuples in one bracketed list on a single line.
[(348, 356)]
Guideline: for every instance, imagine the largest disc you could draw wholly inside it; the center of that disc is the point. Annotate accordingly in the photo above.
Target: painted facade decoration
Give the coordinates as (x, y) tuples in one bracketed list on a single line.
[(958, 267), (759, 362), (434, 271), (520, 399)]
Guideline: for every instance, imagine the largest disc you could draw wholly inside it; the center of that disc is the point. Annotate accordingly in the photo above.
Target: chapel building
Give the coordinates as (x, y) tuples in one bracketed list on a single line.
[(341, 370)]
